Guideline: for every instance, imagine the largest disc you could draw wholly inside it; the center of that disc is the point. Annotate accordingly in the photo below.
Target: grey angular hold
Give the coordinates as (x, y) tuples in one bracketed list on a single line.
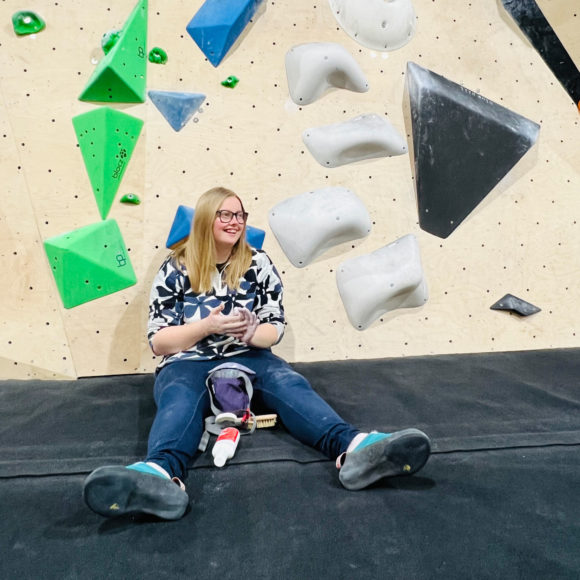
[(464, 144), (314, 67), (309, 224), (389, 278), (515, 304), (364, 137)]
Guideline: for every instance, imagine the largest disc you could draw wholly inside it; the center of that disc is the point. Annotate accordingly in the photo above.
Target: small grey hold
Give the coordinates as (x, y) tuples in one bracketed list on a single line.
[(515, 304)]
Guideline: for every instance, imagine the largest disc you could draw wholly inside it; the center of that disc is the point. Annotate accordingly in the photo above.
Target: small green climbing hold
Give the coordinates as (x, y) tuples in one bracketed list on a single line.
[(109, 40), (157, 56), (26, 22), (231, 82), (131, 198)]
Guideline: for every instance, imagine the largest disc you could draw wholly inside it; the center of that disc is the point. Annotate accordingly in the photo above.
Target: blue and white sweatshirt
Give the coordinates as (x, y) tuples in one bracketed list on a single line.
[(173, 302)]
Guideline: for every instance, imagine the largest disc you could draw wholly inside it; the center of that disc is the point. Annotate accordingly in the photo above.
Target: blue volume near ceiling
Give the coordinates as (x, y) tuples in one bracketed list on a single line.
[(217, 25)]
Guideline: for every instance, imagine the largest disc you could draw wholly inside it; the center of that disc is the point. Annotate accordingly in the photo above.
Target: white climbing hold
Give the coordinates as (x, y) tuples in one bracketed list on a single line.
[(315, 67), (364, 137), (377, 24), (310, 223), (389, 278)]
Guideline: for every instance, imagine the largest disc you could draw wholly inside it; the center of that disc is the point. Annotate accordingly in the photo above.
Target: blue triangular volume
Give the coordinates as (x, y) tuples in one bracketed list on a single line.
[(218, 24), (181, 228), (177, 108)]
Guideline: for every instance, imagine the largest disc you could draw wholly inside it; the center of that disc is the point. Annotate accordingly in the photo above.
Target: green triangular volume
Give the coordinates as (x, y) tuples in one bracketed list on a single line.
[(89, 263), (107, 139), (121, 75)]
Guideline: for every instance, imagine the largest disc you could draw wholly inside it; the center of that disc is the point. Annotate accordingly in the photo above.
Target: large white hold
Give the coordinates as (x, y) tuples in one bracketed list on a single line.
[(387, 279), (378, 24), (315, 67), (364, 137), (310, 223)]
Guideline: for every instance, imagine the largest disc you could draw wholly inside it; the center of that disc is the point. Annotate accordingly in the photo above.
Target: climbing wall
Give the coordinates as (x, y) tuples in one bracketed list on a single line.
[(522, 239)]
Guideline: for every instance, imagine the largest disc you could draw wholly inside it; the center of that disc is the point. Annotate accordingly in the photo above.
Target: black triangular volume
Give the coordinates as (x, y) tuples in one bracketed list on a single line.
[(464, 144), (515, 304), (532, 22)]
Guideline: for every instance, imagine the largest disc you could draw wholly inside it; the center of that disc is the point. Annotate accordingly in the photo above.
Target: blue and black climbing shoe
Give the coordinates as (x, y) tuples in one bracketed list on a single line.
[(381, 455), (114, 491)]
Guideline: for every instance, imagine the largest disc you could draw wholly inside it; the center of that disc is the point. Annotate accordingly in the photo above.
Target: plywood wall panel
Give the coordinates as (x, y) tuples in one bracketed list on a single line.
[(523, 239), (33, 340)]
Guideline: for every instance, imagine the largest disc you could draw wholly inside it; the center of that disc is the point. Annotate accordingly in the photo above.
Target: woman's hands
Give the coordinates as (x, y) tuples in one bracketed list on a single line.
[(251, 331), (241, 324), (228, 324), (252, 324)]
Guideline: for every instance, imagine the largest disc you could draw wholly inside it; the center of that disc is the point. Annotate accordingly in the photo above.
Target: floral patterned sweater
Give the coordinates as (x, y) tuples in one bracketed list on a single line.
[(173, 302)]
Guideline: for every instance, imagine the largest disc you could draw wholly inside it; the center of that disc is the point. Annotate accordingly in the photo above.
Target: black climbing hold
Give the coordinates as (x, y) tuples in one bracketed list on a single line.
[(464, 144), (533, 23), (515, 304)]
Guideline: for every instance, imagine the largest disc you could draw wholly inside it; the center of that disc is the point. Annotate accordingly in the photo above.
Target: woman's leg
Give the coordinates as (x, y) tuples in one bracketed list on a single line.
[(182, 403), (304, 413)]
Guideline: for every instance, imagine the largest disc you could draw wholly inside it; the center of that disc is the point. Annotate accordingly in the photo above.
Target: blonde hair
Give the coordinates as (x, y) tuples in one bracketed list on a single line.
[(198, 252)]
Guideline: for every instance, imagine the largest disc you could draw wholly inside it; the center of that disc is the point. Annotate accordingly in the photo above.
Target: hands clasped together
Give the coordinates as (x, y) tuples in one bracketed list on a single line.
[(241, 323)]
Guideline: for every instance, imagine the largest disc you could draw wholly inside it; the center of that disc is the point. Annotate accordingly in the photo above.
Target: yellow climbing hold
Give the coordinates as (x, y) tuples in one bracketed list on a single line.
[(115, 507), (407, 468)]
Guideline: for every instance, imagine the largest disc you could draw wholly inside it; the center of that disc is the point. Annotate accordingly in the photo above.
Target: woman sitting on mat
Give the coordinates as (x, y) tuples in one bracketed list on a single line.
[(216, 297)]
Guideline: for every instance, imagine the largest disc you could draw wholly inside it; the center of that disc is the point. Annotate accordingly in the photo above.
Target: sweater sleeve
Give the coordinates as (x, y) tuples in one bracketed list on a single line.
[(166, 299), (269, 306)]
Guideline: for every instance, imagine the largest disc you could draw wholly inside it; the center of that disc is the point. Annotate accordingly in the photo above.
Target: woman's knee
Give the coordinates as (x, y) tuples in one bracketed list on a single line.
[(172, 384), (284, 381)]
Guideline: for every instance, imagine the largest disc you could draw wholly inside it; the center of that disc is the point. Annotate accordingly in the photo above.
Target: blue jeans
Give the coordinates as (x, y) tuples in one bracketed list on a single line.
[(183, 403)]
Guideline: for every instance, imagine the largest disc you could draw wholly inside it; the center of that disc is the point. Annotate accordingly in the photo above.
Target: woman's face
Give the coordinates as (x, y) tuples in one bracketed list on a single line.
[(227, 234)]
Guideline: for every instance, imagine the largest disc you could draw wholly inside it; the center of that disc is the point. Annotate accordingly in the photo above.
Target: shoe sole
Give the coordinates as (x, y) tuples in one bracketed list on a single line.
[(114, 491), (403, 453)]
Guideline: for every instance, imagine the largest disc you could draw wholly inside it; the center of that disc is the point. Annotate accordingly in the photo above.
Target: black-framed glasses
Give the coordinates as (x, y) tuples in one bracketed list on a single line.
[(226, 216)]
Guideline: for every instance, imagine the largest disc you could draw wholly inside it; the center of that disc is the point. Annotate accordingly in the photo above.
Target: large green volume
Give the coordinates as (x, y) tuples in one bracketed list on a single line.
[(107, 139), (89, 263), (121, 75)]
